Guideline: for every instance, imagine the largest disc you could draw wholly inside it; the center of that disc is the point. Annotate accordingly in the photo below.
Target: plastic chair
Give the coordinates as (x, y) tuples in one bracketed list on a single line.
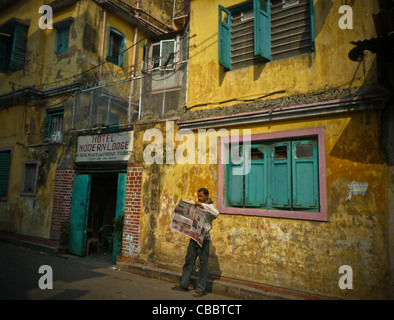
[(106, 236), (92, 240)]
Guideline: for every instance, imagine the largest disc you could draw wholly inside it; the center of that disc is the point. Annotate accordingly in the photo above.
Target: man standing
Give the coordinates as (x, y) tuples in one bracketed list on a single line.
[(195, 250)]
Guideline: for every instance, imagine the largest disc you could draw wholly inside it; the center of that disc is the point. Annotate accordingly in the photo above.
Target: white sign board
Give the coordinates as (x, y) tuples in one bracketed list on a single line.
[(105, 147)]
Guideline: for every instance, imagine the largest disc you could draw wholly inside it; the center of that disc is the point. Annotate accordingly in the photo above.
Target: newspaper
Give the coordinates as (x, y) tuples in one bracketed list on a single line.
[(189, 220)]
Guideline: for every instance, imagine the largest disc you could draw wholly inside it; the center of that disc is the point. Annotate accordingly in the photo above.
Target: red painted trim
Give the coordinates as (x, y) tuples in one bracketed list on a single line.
[(304, 215)]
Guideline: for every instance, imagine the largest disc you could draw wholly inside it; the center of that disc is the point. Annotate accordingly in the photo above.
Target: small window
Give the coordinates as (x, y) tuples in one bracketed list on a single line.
[(304, 151), (257, 154), (5, 164), (53, 125), (62, 36), (156, 55), (13, 42), (260, 31), (116, 47), (29, 182), (283, 176), (281, 153), (163, 54)]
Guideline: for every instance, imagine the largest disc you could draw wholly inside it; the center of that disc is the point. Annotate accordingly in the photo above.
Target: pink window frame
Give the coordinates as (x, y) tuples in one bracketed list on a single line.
[(301, 215), (29, 194)]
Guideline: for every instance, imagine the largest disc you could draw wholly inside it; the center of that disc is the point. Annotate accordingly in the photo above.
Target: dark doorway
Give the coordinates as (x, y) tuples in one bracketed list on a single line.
[(102, 209)]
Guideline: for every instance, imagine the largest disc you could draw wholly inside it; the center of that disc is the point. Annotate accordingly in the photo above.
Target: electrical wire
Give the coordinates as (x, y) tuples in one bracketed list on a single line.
[(234, 99)]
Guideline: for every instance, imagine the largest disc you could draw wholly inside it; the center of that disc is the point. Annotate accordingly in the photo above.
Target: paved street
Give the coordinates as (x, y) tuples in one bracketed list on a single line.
[(75, 278)]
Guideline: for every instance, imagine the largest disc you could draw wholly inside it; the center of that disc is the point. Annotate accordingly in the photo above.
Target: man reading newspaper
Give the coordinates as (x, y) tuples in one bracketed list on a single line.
[(195, 247)]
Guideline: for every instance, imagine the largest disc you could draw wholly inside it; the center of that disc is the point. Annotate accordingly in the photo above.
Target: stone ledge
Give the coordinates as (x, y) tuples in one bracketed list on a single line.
[(229, 287)]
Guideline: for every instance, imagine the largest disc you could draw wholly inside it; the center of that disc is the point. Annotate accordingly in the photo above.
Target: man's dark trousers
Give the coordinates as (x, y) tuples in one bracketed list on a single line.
[(194, 250)]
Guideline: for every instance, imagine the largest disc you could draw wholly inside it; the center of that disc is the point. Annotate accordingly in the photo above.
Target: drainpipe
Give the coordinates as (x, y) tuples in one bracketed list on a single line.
[(173, 14), (132, 74), (102, 44)]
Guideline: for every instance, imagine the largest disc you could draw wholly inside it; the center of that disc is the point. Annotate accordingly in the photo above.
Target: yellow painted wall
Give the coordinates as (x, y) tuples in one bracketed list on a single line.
[(21, 125), (36, 42), (20, 129), (46, 69), (327, 68), (293, 254)]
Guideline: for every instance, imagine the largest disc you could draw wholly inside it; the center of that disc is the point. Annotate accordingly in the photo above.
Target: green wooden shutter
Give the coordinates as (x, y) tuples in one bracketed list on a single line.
[(281, 175), (262, 29), (234, 183), (224, 37), (79, 214), (305, 174), (18, 52), (120, 207), (109, 46), (3, 54), (47, 127), (48, 121), (312, 25), (66, 35), (122, 52), (5, 163), (62, 39), (256, 182), (59, 41)]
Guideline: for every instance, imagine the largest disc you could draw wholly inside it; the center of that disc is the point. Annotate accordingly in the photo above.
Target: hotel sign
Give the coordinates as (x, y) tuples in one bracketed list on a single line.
[(105, 147)]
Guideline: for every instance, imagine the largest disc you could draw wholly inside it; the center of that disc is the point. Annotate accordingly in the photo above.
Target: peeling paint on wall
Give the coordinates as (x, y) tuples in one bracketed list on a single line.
[(356, 188)]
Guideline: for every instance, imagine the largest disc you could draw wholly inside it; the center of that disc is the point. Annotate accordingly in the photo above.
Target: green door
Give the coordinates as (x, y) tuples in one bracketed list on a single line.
[(79, 214), (120, 206)]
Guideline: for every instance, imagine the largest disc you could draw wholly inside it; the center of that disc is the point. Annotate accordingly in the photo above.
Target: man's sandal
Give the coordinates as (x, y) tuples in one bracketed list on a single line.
[(177, 287), (198, 294)]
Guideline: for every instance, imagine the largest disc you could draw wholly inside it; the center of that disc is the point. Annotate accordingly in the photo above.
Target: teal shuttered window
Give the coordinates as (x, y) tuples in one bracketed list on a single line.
[(116, 47), (258, 176), (224, 37), (235, 182), (283, 175), (53, 125), (13, 42), (305, 177), (262, 29), (280, 175), (18, 52), (259, 31), (62, 36)]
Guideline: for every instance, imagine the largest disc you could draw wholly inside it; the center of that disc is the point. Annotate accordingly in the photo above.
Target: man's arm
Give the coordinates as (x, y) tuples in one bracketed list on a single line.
[(211, 209)]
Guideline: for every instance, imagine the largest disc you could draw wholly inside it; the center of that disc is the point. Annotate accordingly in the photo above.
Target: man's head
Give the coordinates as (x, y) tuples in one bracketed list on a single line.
[(203, 195)]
